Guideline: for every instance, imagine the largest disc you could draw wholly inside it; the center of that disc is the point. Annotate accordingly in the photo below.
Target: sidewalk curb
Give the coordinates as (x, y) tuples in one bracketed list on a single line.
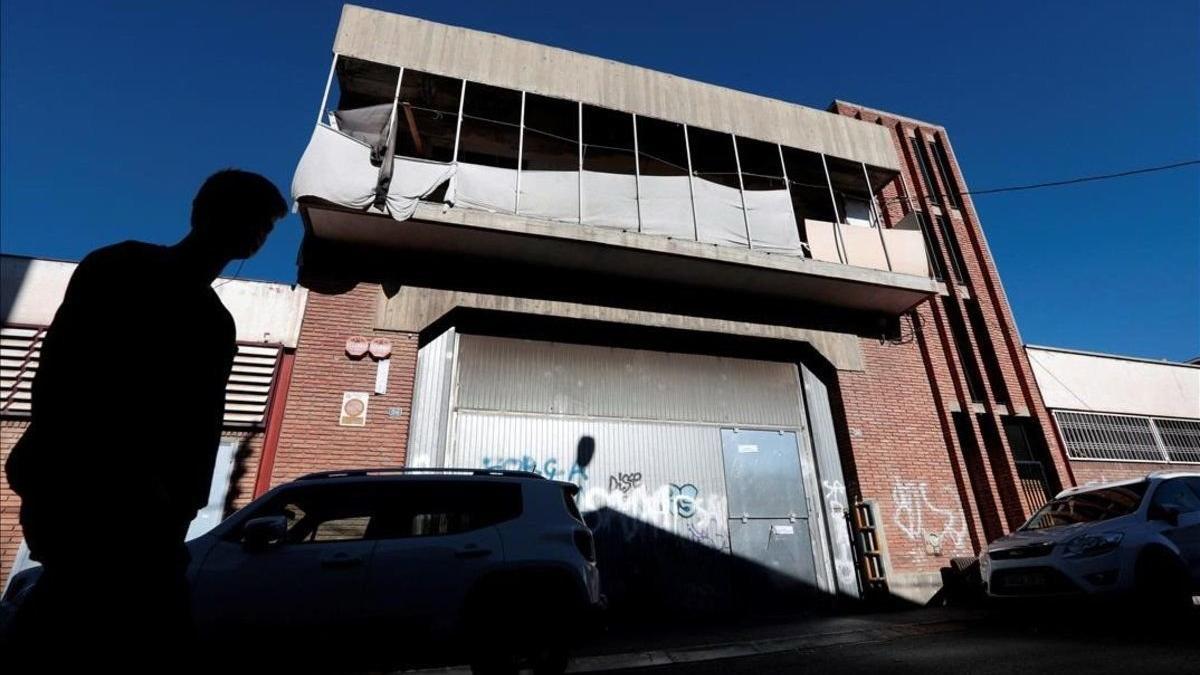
[(733, 650)]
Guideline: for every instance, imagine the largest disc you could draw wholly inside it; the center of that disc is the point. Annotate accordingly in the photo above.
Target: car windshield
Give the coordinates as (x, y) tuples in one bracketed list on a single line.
[(1089, 507)]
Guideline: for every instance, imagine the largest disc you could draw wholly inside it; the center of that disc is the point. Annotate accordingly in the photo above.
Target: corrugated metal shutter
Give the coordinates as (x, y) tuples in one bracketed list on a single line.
[(246, 395), (532, 376), (638, 430)]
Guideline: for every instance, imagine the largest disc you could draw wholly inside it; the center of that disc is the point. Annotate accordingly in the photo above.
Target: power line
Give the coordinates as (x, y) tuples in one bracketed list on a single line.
[(1085, 179), (1071, 181)]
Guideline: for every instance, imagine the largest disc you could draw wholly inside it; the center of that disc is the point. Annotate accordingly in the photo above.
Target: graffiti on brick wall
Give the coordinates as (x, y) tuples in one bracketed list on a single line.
[(920, 520)]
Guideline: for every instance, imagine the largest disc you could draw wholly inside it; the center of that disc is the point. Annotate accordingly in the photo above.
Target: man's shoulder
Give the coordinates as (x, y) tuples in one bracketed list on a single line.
[(125, 256)]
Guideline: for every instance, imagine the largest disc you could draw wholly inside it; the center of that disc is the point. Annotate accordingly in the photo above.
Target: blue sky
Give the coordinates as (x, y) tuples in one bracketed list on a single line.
[(113, 112)]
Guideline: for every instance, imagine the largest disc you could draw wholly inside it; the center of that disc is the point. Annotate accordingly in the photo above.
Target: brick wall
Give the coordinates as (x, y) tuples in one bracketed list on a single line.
[(11, 431), (1101, 472), (900, 454), (985, 491), (310, 438)]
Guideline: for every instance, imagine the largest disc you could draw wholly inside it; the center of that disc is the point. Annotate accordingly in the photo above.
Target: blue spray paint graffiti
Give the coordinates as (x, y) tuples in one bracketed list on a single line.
[(549, 468), (684, 499)]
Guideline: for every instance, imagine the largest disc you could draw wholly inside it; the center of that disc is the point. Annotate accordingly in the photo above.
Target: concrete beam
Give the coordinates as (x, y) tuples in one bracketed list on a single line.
[(403, 41), (413, 309)]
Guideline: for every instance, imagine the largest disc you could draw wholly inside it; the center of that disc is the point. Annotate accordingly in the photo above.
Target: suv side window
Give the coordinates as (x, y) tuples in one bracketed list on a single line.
[(1177, 493), (326, 513), (435, 508)]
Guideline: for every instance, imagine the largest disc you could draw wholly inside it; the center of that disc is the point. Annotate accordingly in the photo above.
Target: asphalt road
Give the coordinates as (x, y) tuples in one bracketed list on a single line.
[(985, 648)]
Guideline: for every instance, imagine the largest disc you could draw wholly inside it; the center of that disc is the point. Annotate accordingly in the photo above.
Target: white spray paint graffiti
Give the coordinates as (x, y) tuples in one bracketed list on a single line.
[(681, 509), (921, 520), (843, 557)]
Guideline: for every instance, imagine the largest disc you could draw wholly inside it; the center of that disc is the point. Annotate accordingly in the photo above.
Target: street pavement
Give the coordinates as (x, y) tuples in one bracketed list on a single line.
[(979, 646), (1045, 639)]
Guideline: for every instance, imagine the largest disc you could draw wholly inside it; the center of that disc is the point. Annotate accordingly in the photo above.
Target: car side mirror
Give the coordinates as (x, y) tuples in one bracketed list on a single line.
[(258, 534), (1168, 513)]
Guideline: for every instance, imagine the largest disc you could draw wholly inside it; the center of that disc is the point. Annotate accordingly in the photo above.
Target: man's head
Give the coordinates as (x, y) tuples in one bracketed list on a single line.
[(235, 210)]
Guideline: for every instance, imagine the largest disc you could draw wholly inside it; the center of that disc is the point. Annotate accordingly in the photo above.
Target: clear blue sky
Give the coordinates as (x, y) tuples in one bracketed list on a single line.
[(112, 117)]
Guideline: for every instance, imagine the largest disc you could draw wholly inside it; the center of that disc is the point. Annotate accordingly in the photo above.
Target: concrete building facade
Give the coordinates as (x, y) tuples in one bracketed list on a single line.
[(669, 293)]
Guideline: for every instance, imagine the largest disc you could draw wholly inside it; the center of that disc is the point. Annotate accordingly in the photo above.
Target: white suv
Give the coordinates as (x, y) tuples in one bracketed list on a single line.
[(398, 567), (1137, 538)]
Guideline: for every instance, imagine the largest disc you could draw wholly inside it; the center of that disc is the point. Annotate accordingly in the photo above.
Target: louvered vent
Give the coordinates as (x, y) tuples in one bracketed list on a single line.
[(246, 395)]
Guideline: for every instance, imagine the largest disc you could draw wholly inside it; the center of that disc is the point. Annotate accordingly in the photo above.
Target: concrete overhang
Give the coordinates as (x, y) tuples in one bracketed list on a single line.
[(480, 234)]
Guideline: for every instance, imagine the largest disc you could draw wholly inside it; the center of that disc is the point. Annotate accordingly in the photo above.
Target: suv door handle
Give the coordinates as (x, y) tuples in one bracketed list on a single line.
[(341, 561), (472, 552)]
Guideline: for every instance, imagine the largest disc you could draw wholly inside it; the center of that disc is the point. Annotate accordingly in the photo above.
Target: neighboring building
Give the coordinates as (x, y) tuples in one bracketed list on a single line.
[(1120, 417), (268, 323), (733, 321)]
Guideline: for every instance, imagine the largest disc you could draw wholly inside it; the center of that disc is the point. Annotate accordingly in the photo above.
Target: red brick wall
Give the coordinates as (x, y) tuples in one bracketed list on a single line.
[(1101, 472), (900, 454), (986, 484), (250, 448), (10, 504), (311, 439)]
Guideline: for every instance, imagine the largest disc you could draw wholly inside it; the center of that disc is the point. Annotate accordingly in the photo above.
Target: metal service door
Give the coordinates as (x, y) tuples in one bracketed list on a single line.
[(768, 511)]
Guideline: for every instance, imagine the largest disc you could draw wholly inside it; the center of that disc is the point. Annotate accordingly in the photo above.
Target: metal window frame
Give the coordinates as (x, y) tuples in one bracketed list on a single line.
[(1099, 436)]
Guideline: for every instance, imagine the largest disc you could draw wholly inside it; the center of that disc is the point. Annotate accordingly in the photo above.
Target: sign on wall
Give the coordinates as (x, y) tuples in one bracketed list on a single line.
[(354, 409)]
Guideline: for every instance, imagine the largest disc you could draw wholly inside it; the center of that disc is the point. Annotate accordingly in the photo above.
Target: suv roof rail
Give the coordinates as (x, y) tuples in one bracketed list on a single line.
[(387, 471)]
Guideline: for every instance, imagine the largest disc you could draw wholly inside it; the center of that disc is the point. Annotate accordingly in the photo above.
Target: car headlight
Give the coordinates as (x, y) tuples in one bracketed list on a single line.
[(1092, 544)]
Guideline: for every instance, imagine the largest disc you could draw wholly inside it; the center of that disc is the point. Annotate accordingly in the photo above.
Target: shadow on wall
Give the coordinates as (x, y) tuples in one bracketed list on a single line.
[(647, 571), (240, 469)]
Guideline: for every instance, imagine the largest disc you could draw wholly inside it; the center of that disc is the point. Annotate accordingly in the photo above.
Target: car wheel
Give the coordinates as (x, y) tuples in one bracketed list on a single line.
[(1162, 584)]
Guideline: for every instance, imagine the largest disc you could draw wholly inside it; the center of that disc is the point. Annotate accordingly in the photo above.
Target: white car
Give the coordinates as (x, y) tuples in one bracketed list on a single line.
[(1135, 539), (396, 567)]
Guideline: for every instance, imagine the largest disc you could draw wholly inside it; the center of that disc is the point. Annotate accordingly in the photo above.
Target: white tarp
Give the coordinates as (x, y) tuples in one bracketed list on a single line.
[(666, 203), (336, 168), (412, 181), (610, 200), (483, 187), (772, 223), (719, 218), (553, 195)]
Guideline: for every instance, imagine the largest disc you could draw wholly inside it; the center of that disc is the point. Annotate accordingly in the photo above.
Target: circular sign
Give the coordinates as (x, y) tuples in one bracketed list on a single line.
[(381, 348), (353, 407), (357, 345)]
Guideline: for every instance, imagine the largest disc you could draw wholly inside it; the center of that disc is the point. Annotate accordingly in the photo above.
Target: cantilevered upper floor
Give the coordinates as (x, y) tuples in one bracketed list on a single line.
[(442, 139)]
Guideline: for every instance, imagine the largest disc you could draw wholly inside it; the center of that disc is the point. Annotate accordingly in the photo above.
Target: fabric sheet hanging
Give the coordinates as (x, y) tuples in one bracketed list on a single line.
[(772, 224), (553, 195), (719, 214), (336, 168), (610, 200), (412, 181), (666, 203), (483, 187)]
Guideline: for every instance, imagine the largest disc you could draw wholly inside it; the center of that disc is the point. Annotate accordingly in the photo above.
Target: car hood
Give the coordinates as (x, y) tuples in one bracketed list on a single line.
[(1056, 535)]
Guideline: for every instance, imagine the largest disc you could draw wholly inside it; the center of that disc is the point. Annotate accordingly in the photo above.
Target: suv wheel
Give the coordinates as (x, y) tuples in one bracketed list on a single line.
[(1162, 584), (510, 630)]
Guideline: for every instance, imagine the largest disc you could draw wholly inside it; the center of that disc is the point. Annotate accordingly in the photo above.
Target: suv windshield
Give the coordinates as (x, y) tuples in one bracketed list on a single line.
[(1089, 507)]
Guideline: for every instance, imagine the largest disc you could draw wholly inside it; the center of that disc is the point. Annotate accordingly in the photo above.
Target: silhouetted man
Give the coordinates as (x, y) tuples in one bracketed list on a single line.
[(127, 409)]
